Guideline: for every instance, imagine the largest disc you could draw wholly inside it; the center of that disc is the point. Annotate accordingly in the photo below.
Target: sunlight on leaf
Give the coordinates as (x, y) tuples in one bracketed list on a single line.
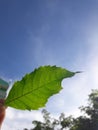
[(33, 91)]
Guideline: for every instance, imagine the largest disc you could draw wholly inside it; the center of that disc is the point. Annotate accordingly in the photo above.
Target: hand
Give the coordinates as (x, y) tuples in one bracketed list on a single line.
[(2, 111)]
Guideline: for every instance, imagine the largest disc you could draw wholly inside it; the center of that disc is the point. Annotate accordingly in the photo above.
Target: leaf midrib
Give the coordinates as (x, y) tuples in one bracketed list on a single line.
[(60, 79)]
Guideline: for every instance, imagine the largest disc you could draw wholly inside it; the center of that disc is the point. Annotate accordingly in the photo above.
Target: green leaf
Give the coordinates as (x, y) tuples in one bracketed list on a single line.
[(33, 91)]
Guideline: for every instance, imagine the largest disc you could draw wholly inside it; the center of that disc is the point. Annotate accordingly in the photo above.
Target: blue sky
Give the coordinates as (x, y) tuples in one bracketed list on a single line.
[(50, 32)]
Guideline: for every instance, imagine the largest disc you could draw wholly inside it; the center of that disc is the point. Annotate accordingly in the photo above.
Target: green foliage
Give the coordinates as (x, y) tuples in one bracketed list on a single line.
[(33, 91), (51, 123), (65, 122), (93, 98)]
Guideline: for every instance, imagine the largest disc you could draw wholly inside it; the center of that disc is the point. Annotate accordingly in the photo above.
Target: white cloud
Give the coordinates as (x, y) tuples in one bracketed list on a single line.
[(16, 119)]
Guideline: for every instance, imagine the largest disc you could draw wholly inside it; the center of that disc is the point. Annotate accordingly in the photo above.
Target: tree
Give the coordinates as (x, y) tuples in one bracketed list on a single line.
[(65, 122), (51, 123), (48, 124), (89, 121)]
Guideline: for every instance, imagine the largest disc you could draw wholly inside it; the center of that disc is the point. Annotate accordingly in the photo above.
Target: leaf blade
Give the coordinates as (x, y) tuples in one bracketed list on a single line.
[(33, 91)]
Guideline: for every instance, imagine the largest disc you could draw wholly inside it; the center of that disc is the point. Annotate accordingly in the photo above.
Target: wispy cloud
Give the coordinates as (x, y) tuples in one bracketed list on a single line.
[(77, 89)]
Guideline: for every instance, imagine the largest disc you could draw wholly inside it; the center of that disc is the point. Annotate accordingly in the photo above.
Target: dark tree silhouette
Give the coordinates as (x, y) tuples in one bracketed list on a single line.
[(89, 121)]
